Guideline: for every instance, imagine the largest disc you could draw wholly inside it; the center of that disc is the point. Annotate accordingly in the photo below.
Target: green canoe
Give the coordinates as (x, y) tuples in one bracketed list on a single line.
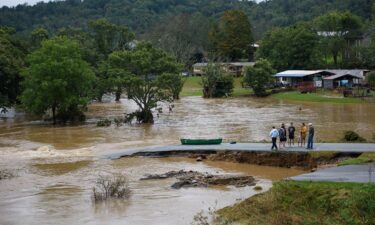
[(201, 141)]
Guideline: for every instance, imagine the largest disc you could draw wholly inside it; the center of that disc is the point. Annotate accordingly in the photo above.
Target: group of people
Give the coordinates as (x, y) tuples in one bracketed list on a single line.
[(282, 133)]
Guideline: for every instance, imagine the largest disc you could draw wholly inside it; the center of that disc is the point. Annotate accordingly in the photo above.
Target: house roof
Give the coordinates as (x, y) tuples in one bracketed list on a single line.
[(299, 73), (333, 77), (229, 63), (355, 72)]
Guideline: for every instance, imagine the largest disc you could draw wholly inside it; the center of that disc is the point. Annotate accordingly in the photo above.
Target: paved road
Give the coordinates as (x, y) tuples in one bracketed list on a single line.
[(352, 173), (265, 147)]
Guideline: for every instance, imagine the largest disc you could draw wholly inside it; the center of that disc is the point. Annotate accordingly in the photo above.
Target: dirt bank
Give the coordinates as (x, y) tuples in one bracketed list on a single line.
[(304, 160)]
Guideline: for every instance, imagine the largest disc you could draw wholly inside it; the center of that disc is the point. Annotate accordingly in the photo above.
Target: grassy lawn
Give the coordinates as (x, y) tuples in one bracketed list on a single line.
[(193, 87), (321, 96), (364, 158), (292, 202)]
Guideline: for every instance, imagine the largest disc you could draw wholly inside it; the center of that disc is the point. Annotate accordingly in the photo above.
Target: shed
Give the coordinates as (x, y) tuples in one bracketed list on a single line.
[(341, 80)]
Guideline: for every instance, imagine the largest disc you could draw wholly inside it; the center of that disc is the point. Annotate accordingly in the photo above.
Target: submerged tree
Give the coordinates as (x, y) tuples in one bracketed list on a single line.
[(143, 68), (259, 76), (57, 79), (216, 82)]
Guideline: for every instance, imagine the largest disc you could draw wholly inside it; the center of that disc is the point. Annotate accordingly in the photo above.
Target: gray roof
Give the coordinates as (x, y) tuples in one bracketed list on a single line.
[(355, 72), (299, 73), (333, 77), (229, 63)]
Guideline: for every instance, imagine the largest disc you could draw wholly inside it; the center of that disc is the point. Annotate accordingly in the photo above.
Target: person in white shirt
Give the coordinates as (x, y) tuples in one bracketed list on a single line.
[(274, 134)]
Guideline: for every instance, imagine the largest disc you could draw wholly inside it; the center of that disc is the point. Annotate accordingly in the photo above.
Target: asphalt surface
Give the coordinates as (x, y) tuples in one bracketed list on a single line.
[(351, 173), (261, 147)]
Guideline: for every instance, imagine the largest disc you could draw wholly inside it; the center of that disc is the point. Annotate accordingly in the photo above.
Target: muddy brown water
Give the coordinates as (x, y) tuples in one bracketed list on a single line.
[(56, 167)]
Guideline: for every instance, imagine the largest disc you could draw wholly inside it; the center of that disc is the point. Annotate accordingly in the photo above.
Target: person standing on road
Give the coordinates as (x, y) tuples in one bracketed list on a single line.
[(310, 139), (303, 134), (282, 135), (291, 130), (274, 134)]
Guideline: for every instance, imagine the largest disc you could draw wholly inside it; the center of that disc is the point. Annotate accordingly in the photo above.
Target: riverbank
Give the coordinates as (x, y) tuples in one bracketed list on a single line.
[(298, 202), (322, 96)]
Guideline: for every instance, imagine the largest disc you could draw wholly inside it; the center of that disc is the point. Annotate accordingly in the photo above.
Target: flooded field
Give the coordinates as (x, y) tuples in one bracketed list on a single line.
[(56, 167)]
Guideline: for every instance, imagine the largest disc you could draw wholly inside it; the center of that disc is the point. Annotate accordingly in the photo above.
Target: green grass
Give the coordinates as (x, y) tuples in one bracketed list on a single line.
[(193, 87), (364, 158), (321, 96), (292, 202)]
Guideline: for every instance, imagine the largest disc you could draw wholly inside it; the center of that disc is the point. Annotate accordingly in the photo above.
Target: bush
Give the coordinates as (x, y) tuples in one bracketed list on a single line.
[(104, 123), (351, 136), (111, 186)]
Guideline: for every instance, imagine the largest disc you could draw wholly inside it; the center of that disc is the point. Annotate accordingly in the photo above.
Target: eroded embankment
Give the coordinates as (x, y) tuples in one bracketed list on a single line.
[(304, 160)]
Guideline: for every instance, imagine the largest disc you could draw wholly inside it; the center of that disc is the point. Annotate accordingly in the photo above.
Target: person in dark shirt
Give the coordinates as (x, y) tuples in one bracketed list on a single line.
[(310, 139), (282, 136), (291, 130)]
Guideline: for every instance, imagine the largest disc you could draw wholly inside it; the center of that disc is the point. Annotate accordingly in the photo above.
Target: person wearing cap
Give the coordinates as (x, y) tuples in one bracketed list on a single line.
[(310, 139)]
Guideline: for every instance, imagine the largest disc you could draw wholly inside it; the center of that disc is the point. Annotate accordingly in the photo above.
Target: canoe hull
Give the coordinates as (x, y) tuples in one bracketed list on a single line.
[(201, 141)]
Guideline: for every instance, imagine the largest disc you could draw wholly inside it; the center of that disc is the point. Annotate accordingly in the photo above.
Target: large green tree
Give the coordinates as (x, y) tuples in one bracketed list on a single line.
[(295, 47), (259, 76), (232, 38), (57, 79), (143, 67), (12, 55), (339, 31), (217, 82)]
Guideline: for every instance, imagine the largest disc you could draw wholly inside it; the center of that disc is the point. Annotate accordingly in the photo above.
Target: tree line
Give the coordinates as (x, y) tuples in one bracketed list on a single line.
[(62, 73)]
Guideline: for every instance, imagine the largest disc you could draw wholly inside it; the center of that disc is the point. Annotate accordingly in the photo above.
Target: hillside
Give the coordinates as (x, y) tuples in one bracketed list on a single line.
[(142, 15)]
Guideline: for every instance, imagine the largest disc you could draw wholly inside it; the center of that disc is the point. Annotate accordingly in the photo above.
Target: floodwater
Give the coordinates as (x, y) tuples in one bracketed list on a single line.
[(56, 167)]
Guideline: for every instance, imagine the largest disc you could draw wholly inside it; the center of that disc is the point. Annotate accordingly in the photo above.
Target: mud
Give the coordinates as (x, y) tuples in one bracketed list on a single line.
[(198, 179), (302, 160)]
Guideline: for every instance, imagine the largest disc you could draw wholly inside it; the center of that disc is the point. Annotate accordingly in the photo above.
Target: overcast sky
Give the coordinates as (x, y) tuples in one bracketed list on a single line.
[(30, 2)]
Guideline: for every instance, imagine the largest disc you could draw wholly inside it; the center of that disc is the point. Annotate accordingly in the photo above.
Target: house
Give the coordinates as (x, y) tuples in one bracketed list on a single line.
[(297, 77), (233, 68)]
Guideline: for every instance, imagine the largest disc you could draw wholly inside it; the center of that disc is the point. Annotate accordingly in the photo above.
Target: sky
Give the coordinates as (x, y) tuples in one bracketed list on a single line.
[(16, 2), (29, 2)]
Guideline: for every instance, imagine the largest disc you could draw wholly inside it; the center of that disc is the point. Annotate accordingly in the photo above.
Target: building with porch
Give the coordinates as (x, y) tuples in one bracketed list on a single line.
[(233, 68)]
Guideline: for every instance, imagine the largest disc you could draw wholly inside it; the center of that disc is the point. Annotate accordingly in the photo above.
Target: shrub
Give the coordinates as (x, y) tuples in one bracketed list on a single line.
[(111, 186), (352, 136), (104, 123), (216, 83)]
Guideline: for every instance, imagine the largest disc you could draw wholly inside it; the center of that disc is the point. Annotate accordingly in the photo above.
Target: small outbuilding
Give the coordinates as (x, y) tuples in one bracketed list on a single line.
[(341, 80)]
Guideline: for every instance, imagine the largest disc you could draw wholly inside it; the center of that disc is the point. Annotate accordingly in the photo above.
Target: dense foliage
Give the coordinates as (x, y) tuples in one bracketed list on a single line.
[(58, 79), (143, 67), (259, 76), (216, 82), (295, 47), (12, 55)]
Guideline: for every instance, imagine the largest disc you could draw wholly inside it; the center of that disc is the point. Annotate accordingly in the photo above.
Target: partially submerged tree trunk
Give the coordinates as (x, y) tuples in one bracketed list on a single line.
[(118, 94), (54, 114)]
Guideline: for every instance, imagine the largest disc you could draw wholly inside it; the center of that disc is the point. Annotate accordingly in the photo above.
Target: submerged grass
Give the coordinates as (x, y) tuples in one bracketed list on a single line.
[(323, 97), (292, 202), (364, 158)]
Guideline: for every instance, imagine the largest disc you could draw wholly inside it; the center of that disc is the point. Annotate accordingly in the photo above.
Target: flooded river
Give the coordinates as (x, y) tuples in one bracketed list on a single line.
[(56, 167)]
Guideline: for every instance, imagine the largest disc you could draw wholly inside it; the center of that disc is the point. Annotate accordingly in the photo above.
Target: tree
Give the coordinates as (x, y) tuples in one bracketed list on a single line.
[(295, 47), (232, 38), (172, 83), (371, 78), (108, 38), (142, 68), (259, 76), (216, 83), (12, 55), (57, 79), (37, 36), (339, 31)]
